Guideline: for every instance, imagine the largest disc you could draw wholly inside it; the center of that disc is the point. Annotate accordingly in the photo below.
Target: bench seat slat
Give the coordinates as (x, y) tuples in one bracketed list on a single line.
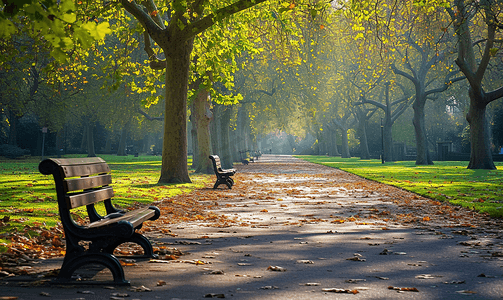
[(135, 217), (87, 182), (89, 197)]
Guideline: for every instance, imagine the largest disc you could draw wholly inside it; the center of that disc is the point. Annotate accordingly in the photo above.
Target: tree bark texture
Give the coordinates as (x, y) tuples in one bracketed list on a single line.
[(59, 142), (174, 151), (423, 156), (334, 149), (121, 151), (108, 145), (345, 143), (214, 132), (242, 126), (226, 155), (388, 128), (90, 140), (83, 142), (193, 134), (362, 132), (202, 116), (480, 155)]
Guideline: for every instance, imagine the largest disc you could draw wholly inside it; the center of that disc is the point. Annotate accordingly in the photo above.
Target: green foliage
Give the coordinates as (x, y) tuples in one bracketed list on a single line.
[(11, 151), (445, 181), (66, 26)]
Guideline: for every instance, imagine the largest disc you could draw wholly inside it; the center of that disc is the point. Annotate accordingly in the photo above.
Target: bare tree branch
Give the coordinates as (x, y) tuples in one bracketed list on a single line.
[(149, 117)]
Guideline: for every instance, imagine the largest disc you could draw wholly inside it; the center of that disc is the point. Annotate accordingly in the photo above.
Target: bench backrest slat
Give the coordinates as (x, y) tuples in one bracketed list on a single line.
[(216, 163), (89, 197), (83, 183), (73, 167), (85, 170)]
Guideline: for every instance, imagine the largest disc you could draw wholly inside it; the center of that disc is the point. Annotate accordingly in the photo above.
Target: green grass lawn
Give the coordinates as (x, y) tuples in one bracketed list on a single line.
[(444, 181), (28, 198)]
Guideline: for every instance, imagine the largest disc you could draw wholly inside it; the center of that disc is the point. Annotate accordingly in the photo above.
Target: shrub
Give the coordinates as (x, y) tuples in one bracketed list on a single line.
[(11, 151)]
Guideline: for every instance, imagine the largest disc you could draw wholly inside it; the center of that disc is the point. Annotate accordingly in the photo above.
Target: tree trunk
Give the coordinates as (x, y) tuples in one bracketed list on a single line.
[(242, 136), (13, 121), (233, 137), (322, 143), (174, 151), (202, 115), (345, 144), (388, 128), (226, 155), (364, 147), (59, 142), (90, 140), (192, 126), (480, 156), (388, 142), (214, 135), (83, 143), (108, 144), (319, 145), (423, 155), (146, 143), (334, 150), (122, 142)]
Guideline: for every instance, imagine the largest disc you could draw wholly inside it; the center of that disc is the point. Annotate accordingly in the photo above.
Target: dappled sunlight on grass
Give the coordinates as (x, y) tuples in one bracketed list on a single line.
[(28, 197), (443, 181)]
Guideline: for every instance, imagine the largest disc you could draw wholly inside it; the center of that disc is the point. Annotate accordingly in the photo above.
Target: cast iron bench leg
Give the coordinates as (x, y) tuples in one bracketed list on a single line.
[(104, 259)]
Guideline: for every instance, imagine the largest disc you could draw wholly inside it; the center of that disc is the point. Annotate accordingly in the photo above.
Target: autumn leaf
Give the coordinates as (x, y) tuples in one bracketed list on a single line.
[(403, 289), (337, 221), (127, 263)]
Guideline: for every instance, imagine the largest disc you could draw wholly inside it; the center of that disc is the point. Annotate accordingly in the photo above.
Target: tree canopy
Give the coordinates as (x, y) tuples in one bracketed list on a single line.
[(327, 70)]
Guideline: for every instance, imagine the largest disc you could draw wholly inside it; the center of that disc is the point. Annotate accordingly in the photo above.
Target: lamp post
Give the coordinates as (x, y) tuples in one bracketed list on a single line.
[(44, 131), (382, 142)]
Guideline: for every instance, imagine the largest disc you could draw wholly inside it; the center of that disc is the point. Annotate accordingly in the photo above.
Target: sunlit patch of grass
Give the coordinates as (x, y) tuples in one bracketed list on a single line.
[(28, 198), (443, 181)]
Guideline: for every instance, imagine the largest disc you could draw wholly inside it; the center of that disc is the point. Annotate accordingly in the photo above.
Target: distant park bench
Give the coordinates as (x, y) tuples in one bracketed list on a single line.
[(86, 182), (223, 175), (257, 154), (246, 155)]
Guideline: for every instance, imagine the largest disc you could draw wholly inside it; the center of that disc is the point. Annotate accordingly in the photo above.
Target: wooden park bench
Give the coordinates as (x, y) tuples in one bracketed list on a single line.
[(257, 154), (223, 175), (86, 182)]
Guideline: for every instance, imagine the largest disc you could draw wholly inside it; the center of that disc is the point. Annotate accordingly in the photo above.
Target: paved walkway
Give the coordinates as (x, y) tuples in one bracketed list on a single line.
[(294, 230)]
